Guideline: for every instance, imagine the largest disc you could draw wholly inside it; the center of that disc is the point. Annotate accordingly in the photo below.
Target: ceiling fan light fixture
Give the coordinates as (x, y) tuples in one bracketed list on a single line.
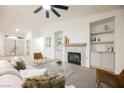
[(47, 7), (17, 30), (52, 8), (12, 37)]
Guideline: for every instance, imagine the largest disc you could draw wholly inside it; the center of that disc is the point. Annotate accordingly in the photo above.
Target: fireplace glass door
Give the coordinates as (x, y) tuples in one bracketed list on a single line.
[(74, 57)]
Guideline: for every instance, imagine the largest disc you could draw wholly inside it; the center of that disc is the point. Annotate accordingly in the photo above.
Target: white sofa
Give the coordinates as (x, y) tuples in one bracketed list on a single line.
[(12, 78), (9, 76)]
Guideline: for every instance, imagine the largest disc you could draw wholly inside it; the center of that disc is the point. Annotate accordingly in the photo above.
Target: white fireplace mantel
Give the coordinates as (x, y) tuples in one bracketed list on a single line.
[(75, 45)]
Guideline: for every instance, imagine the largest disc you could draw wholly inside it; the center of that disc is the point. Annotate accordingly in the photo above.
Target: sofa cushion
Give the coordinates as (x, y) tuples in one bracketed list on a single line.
[(32, 72), (9, 76), (5, 63), (56, 80)]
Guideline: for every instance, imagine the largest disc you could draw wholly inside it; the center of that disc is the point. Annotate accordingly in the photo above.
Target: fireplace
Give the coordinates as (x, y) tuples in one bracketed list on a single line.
[(74, 57)]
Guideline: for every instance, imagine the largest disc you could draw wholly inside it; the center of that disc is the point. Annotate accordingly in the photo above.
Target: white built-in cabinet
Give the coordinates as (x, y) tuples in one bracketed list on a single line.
[(102, 60), (107, 61), (95, 59), (102, 44)]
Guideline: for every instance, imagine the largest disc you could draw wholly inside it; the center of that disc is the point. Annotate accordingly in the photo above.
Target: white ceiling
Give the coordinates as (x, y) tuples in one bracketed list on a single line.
[(22, 17)]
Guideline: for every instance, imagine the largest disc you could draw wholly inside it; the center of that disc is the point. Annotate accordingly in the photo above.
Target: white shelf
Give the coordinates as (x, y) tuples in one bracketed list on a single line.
[(59, 38), (106, 32), (106, 42), (103, 52)]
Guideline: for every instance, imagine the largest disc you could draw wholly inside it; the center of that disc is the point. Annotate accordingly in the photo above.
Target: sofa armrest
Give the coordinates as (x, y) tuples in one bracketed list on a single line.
[(106, 77)]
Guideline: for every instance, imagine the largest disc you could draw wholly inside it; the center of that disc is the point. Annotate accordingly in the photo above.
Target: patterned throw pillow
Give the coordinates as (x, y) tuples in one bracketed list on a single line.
[(18, 63)]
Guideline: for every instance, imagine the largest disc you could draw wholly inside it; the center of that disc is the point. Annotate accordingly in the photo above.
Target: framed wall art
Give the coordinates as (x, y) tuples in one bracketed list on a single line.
[(48, 41)]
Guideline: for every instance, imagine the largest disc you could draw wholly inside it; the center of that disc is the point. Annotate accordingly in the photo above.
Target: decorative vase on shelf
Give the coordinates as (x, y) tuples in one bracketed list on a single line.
[(65, 40), (98, 39), (94, 39)]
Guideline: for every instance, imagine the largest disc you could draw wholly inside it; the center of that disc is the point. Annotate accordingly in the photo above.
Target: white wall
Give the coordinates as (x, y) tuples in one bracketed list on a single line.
[(28, 36), (1, 44), (119, 42), (37, 41), (78, 32), (48, 51)]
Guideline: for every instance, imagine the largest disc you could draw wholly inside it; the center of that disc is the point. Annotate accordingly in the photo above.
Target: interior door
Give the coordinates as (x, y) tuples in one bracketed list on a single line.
[(28, 47), (9, 45), (13, 47), (19, 47)]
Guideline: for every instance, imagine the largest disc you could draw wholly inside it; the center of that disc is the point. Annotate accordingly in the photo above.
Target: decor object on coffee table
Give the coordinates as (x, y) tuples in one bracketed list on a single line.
[(59, 62)]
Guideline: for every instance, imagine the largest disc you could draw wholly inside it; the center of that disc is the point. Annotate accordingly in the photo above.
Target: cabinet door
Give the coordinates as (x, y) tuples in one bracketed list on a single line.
[(107, 61), (59, 54), (95, 59)]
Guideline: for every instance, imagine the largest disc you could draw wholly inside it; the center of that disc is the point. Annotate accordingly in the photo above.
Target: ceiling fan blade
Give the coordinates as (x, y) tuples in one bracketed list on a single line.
[(38, 9), (47, 14), (60, 7), (55, 12), (20, 37)]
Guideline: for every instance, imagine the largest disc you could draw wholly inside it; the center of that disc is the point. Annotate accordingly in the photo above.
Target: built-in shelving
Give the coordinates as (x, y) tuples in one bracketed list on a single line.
[(102, 34), (102, 43), (60, 38), (105, 42), (75, 44), (58, 45), (102, 52), (105, 32)]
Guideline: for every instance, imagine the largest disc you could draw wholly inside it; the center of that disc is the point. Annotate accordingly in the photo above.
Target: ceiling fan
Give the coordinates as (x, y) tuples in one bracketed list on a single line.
[(52, 8)]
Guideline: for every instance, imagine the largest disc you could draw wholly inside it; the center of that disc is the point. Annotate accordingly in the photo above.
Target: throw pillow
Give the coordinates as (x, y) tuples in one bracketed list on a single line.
[(18, 63), (13, 62), (32, 72)]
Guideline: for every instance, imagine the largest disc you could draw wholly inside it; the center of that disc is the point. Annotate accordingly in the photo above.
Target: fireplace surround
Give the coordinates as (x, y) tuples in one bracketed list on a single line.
[(78, 51)]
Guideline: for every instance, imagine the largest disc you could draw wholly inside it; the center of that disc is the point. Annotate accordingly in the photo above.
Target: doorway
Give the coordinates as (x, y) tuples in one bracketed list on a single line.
[(13, 47), (58, 45)]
